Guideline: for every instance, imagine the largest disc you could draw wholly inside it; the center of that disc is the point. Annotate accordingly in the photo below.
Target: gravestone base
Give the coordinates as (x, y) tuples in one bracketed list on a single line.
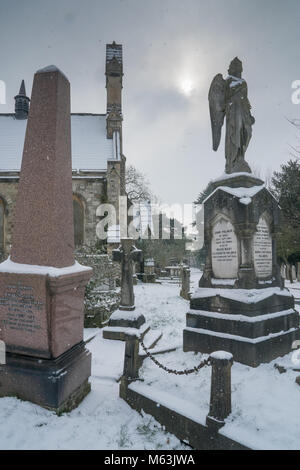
[(119, 333), (58, 384), (256, 325), (41, 323)]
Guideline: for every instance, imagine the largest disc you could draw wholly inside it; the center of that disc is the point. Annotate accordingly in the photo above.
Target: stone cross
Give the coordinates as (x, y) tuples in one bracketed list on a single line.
[(126, 254)]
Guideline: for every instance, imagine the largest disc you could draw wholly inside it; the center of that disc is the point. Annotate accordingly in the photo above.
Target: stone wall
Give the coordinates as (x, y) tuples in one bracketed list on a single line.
[(90, 192), (8, 193)]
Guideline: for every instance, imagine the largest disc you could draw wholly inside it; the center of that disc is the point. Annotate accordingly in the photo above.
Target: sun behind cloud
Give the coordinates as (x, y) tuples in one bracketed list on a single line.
[(186, 86)]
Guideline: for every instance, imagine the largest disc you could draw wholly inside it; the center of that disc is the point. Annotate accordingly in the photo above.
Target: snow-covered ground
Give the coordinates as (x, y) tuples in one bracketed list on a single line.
[(266, 411)]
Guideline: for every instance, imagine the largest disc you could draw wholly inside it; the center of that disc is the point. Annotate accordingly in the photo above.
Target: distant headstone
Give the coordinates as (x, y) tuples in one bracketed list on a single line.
[(41, 286), (283, 271), (185, 282), (298, 272)]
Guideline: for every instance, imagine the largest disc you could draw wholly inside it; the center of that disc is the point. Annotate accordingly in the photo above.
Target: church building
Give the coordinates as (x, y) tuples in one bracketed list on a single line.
[(97, 158)]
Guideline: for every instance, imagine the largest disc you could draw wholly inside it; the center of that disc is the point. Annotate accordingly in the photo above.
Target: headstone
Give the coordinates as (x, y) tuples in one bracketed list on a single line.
[(185, 282), (149, 271), (298, 272), (41, 286), (294, 276), (224, 250), (126, 316), (283, 271), (262, 246), (241, 306)]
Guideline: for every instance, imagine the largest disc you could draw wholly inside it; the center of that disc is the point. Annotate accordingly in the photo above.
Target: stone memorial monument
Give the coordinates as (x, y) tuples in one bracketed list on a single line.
[(241, 305), (126, 316), (41, 286)]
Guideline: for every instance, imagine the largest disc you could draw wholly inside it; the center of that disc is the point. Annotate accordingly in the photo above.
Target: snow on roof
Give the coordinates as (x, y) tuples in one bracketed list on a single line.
[(90, 147)]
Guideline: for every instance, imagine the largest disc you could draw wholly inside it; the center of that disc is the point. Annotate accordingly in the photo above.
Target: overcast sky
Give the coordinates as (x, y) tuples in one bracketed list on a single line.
[(172, 50)]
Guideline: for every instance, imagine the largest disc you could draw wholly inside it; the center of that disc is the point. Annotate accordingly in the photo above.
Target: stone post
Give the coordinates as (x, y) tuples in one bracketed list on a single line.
[(132, 345), (131, 362), (185, 283), (220, 394)]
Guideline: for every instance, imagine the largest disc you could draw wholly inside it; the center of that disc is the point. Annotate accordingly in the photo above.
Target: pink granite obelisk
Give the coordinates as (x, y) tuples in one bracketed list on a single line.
[(41, 286), (43, 228)]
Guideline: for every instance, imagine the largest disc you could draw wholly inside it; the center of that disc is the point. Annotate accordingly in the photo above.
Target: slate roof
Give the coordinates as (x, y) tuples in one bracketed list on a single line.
[(90, 147)]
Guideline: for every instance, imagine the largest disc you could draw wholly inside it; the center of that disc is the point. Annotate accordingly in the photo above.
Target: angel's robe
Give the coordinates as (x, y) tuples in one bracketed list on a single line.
[(239, 123)]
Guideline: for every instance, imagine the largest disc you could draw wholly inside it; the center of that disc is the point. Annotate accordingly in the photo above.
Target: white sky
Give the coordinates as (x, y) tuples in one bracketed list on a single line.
[(172, 50)]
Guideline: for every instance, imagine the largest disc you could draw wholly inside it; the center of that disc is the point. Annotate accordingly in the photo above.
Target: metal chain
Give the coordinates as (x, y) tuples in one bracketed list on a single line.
[(203, 363)]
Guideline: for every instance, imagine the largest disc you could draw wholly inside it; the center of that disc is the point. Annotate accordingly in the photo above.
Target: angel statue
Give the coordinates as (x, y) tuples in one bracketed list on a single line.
[(230, 97)]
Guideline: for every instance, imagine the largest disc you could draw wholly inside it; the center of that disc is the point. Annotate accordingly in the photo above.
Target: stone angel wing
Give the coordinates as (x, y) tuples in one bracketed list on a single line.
[(217, 98)]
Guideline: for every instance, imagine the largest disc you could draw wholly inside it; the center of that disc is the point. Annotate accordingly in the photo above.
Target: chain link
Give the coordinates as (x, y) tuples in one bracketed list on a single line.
[(203, 363)]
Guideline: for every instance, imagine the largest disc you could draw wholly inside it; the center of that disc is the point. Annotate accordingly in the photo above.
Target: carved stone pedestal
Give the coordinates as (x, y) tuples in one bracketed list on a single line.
[(241, 305)]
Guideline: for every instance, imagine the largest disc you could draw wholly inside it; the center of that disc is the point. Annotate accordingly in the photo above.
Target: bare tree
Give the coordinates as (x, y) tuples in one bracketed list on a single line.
[(137, 185)]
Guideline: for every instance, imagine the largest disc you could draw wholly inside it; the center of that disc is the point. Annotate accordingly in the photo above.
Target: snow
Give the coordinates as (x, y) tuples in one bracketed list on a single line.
[(126, 315), (244, 318), (162, 398), (249, 296), (221, 355), (244, 194), (265, 403), (51, 68), (223, 282), (9, 266), (90, 148), (259, 339), (226, 176)]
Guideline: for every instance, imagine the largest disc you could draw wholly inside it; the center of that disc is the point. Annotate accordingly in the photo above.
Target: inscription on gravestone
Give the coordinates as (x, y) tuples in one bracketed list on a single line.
[(262, 246), (224, 250), (21, 308)]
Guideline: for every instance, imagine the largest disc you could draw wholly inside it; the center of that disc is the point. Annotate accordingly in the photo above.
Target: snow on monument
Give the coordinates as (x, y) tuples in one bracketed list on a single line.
[(241, 305)]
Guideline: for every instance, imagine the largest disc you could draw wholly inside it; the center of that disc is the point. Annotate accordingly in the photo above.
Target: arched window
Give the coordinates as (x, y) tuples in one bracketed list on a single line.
[(78, 213)]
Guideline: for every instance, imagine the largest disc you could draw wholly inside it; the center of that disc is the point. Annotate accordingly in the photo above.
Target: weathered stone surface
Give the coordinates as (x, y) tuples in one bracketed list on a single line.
[(43, 227), (229, 98), (220, 392), (224, 250), (41, 288), (185, 283), (241, 306), (262, 247), (58, 384)]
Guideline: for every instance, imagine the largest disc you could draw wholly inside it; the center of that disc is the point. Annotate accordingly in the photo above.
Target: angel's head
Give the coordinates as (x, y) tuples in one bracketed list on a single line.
[(235, 68)]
